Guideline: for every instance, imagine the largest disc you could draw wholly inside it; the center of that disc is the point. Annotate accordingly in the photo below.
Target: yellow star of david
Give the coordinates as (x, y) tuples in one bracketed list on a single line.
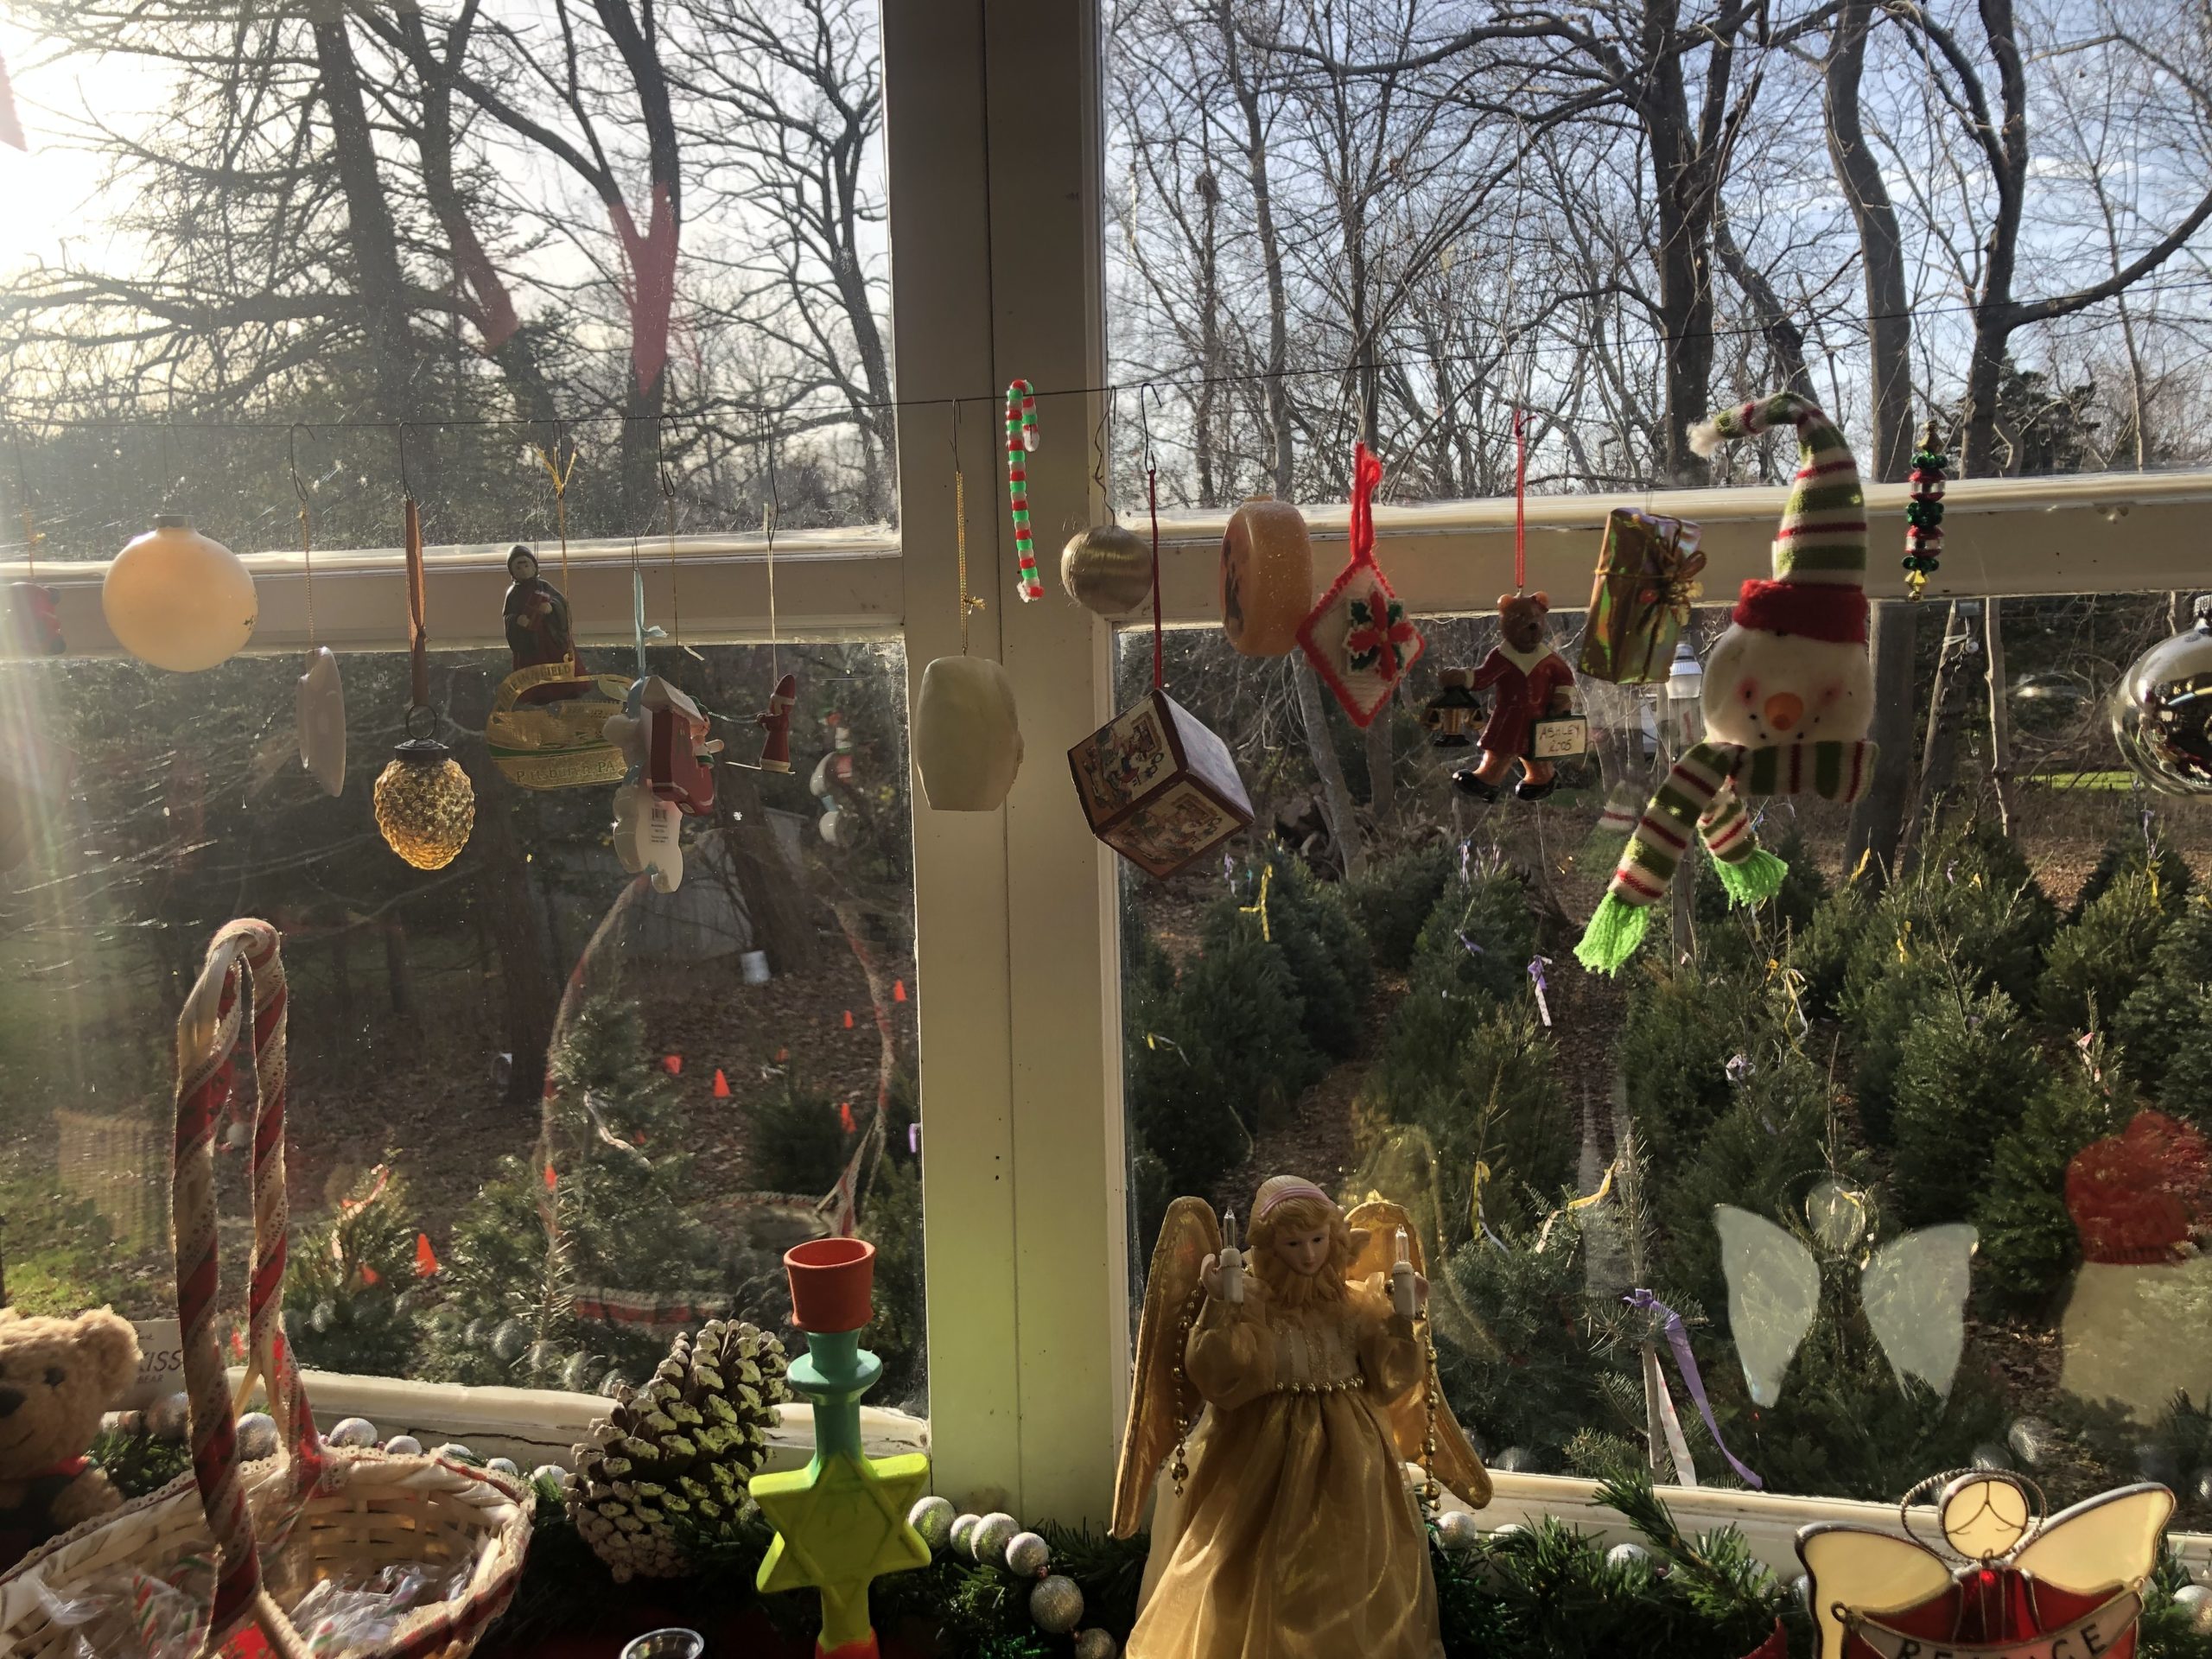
[(840, 1523)]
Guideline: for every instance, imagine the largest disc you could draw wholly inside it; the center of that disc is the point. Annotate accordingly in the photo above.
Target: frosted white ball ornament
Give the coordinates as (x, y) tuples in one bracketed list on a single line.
[(178, 600)]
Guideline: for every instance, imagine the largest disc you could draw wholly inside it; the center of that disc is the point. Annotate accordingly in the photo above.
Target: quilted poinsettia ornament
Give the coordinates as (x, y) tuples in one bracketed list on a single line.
[(1358, 636)]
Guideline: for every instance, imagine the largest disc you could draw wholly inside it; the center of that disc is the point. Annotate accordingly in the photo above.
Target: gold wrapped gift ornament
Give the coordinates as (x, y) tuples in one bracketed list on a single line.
[(425, 804)]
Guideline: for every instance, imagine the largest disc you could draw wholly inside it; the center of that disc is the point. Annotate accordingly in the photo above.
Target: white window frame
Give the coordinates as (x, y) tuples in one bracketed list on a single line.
[(994, 145)]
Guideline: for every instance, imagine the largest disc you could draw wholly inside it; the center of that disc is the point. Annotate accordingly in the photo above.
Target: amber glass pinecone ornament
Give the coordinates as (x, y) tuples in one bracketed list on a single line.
[(670, 1466), (425, 804)]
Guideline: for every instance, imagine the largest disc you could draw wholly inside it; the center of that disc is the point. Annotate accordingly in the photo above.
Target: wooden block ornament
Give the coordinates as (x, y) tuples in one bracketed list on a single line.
[(1158, 787), (1358, 636)]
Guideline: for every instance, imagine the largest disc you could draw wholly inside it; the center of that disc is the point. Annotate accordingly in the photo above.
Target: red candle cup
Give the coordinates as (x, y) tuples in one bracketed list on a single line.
[(831, 1282)]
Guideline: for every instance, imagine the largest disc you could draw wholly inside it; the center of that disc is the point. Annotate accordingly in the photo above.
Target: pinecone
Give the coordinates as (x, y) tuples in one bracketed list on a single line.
[(669, 1467)]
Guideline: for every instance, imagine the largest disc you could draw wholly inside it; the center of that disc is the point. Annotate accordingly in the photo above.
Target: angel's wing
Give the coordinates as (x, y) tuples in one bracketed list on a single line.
[(1405, 1163), (1187, 1237), (2106, 1540), (1774, 1290), (1455, 1463), (1914, 1293), (1867, 1571)]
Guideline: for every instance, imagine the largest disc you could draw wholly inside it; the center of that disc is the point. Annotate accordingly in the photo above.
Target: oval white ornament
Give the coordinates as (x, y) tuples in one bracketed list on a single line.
[(967, 737), (178, 600)]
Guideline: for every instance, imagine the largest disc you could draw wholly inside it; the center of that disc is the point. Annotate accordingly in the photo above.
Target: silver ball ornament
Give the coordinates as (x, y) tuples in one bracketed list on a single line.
[(1516, 1460), (1056, 1605), (1621, 1557), (257, 1437), (506, 1466), (988, 1542), (963, 1529), (614, 1386), (1027, 1555), (580, 1373), (2161, 711), (404, 1446), (454, 1452), (1990, 1455), (552, 1471), (1458, 1529), (323, 1315), (1095, 1643), (932, 1517), (169, 1418), (2195, 1600), (2032, 1440), (2204, 1485), (508, 1341), (1802, 1587), (1107, 569)]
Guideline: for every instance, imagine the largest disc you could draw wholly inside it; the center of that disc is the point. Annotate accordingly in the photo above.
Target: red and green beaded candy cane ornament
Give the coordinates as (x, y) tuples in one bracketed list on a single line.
[(1923, 513), (1021, 439)]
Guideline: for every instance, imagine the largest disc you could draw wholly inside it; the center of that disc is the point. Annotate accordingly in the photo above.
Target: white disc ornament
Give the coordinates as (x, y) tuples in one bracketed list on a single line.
[(1027, 1555), (988, 1542), (966, 738), (1095, 1643), (1620, 1557), (178, 600), (257, 1437), (321, 716), (963, 1529), (1106, 568), (1056, 1605), (1458, 1529), (932, 1517), (2195, 1600)]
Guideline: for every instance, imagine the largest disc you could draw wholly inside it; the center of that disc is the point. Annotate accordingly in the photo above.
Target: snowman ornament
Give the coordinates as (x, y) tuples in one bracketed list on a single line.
[(1788, 690)]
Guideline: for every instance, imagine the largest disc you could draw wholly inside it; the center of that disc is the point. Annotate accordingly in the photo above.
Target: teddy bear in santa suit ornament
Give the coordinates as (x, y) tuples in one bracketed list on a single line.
[(1534, 697)]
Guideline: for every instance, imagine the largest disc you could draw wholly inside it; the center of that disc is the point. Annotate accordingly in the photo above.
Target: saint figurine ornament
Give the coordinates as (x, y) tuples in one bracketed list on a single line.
[(536, 614), (1286, 1386), (548, 716)]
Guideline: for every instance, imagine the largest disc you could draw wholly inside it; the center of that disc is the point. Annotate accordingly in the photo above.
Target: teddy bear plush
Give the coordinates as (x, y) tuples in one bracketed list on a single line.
[(1532, 680), (57, 1377)]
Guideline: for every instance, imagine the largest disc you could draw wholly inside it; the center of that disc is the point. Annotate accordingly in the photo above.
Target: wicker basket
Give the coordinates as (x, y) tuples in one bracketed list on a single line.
[(314, 1512)]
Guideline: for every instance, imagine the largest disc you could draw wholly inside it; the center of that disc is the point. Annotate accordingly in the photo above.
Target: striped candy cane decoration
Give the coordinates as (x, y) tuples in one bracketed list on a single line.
[(207, 1030), (1021, 439)]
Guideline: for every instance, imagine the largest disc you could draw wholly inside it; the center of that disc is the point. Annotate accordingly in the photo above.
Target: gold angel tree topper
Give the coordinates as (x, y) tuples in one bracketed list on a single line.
[(1286, 1386)]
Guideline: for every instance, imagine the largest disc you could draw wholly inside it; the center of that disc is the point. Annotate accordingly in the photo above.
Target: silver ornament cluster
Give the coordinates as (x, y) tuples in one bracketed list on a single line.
[(353, 1431), (1621, 1557), (932, 1517), (257, 1437), (988, 1539), (1095, 1643), (1027, 1555), (404, 1446)]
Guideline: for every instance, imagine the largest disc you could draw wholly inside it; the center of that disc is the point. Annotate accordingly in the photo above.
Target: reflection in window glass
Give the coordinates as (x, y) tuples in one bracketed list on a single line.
[(1921, 1164), (542, 1115), (1381, 220)]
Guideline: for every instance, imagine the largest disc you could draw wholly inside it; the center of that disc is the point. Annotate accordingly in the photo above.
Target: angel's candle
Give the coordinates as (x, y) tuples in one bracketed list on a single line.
[(1402, 1296), (1232, 1262)]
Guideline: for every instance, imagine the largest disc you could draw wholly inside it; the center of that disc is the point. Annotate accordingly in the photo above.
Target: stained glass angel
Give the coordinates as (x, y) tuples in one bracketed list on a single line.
[(1286, 1390)]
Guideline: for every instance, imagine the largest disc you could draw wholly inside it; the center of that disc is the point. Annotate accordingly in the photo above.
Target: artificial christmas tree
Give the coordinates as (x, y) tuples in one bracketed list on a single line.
[(1965, 1071), (351, 1292)]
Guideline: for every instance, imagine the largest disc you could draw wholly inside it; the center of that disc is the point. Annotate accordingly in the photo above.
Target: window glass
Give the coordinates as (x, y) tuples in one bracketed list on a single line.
[(1920, 1162), (650, 235), (1387, 219), (542, 1115)]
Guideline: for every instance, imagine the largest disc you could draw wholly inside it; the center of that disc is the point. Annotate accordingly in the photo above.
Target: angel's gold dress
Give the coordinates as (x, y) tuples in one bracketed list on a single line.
[(1297, 1536)]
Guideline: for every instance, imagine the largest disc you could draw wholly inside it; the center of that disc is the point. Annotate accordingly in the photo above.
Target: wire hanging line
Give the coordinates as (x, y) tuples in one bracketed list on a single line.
[(1184, 379)]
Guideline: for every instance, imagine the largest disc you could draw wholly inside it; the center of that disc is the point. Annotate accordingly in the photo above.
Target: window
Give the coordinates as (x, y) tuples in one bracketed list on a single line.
[(730, 1063)]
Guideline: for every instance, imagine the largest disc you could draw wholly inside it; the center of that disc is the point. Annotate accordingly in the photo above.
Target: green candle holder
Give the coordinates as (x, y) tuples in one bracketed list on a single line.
[(841, 1522)]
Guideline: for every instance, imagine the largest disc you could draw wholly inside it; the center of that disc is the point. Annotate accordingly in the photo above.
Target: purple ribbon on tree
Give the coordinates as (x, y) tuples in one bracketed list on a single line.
[(1670, 1325)]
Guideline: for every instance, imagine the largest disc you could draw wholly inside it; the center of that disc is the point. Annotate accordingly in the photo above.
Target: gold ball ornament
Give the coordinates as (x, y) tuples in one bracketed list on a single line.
[(425, 804), (178, 600), (1107, 569)]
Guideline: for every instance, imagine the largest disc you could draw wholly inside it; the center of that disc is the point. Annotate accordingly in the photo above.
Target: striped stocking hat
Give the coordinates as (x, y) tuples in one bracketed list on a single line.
[(1819, 550)]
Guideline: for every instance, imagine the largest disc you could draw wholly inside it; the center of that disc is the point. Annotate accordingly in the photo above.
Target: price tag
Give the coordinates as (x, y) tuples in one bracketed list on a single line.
[(161, 1364)]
